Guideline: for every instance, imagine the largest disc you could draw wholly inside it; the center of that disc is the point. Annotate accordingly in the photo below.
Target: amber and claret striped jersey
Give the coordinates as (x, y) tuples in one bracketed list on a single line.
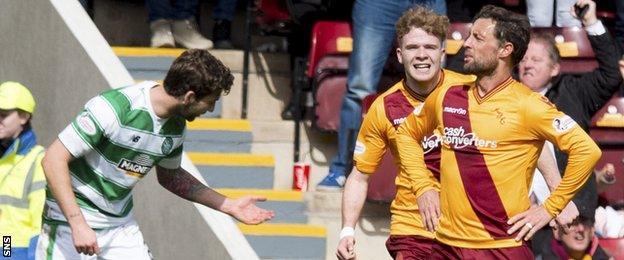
[(378, 133), (490, 147)]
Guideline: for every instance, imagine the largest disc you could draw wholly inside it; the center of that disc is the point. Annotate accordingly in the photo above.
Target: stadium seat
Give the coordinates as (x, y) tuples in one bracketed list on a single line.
[(328, 37), (614, 246), (456, 34), (273, 16), (329, 86), (576, 52), (607, 130)]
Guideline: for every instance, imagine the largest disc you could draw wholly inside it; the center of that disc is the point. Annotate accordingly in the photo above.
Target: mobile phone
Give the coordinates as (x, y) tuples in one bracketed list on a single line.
[(581, 10)]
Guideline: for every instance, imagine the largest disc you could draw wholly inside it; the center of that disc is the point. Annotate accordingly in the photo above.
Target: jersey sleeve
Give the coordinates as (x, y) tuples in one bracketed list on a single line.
[(409, 136), (371, 141), (173, 160), (89, 128), (546, 122)]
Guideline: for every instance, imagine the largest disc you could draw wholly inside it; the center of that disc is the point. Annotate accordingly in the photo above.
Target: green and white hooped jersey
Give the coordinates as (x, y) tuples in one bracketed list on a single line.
[(115, 141)]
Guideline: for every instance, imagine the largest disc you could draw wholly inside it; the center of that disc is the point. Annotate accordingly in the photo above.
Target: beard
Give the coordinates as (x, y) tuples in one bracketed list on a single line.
[(480, 68)]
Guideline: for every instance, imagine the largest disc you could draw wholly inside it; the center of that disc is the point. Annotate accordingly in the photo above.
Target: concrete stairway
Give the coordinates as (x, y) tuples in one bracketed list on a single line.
[(220, 148)]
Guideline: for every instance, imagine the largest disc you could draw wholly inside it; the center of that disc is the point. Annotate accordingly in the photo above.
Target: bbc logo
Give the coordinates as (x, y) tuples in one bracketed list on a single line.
[(6, 246)]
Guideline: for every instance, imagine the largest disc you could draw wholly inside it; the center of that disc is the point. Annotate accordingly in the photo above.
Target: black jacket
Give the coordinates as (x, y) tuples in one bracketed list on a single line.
[(580, 96)]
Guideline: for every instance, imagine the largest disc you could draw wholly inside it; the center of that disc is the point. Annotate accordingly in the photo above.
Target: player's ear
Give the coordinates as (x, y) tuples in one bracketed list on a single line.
[(505, 50), (189, 97)]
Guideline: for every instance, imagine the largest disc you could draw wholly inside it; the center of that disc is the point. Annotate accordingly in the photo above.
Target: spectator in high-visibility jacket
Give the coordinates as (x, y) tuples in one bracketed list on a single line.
[(22, 182)]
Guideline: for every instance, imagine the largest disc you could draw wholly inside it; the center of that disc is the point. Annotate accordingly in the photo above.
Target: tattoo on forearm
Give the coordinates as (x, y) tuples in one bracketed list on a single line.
[(181, 183), (73, 215)]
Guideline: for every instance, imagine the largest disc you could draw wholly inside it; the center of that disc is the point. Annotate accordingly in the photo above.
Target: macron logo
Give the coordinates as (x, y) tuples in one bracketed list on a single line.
[(454, 110)]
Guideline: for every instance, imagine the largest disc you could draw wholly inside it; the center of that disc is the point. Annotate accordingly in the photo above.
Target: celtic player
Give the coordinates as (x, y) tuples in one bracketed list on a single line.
[(118, 138)]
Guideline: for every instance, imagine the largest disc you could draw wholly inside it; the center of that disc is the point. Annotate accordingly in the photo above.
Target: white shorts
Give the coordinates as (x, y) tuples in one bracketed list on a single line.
[(123, 242)]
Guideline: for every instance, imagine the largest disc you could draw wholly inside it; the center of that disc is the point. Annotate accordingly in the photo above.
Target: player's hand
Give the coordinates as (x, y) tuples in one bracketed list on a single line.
[(244, 209), (85, 240), (429, 207), (528, 222), (346, 249), (565, 218)]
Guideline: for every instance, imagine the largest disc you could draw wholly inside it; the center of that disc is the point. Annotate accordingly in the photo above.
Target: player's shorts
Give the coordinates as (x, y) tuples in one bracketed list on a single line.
[(409, 247), (442, 251), (122, 242)]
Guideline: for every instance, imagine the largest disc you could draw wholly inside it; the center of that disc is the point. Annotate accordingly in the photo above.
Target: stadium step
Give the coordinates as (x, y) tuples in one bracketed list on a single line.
[(286, 241), (218, 136), (235, 170), (269, 78), (220, 149), (289, 206)]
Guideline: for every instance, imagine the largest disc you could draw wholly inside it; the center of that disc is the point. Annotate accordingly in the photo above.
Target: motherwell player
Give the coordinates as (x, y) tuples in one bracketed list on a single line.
[(420, 34), (492, 131)]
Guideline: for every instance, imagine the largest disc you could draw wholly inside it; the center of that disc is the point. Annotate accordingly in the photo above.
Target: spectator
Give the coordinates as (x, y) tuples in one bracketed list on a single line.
[(174, 22), (578, 244), (541, 13), (373, 33), (22, 181)]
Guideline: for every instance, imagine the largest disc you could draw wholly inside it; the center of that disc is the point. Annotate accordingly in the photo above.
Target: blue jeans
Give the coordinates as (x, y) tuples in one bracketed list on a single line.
[(224, 10), (163, 9), (373, 34)]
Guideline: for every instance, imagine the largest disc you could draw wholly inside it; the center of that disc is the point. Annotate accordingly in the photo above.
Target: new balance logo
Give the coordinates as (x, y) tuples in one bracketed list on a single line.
[(455, 110), (133, 166)]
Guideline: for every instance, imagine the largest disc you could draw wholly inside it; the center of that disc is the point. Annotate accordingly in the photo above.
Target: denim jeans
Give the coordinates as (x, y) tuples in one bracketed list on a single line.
[(540, 13), (163, 9), (373, 34), (224, 10)]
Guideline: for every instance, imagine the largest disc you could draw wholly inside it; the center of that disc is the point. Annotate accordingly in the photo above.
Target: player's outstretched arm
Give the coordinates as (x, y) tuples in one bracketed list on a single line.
[(180, 182), (56, 169)]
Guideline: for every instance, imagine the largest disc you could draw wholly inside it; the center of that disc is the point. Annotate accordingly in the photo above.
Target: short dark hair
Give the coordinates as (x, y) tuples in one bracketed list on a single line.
[(508, 27), (548, 40), (198, 71), (425, 19)]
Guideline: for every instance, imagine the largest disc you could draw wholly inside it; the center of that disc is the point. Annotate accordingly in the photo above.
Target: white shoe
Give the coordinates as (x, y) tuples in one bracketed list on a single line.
[(186, 34), (161, 34)]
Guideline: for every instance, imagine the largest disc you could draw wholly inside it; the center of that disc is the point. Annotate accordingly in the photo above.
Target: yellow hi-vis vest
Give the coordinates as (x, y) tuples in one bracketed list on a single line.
[(22, 195)]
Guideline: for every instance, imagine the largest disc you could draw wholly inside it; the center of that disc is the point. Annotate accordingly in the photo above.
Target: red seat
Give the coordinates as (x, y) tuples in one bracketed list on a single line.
[(330, 85), (326, 36), (608, 132), (613, 246), (273, 15), (456, 34)]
